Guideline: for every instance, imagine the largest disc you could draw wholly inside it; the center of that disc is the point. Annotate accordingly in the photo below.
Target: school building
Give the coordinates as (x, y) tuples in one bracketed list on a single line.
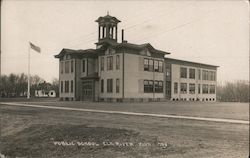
[(120, 72)]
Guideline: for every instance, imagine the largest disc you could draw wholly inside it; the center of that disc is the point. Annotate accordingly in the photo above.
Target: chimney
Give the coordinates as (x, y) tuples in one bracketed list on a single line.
[(123, 41), (122, 35)]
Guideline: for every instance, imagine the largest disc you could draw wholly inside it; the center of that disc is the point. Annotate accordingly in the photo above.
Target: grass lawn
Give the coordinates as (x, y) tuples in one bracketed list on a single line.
[(238, 111), (37, 132)]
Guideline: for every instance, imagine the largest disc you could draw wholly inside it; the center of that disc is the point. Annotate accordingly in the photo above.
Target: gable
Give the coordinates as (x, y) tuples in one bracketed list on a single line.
[(145, 52)]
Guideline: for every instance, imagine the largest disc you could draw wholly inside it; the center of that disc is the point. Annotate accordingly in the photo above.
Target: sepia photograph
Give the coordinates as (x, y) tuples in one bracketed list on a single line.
[(124, 79)]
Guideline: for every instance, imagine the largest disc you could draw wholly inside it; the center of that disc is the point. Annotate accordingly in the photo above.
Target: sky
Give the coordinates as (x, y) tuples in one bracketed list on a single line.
[(211, 32)]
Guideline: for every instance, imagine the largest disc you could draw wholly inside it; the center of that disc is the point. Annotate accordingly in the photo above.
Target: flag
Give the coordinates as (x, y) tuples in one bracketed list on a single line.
[(34, 47)]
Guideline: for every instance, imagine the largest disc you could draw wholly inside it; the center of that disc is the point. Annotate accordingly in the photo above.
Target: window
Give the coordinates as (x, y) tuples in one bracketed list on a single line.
[(102, 86), (212, 76), (117, 85), (158, 86), (117, 62), (102, 63), (109, 85), (175, 87), (192, 73), (72, 66), (146, 65), (205, 75), (66, 86), (205, 89), (199, 88), (83, 65), (156, 66), (151, 66), (183, 88), (72, 86), (66, 67), (209, 75), (191, 88), (146, 86), (108, 51), (183, 72), (168, 71), (212, 89), (151, 86), (199, 74), (68, 56), (61, 67), (61, 86), (110, 63), (160, 66)]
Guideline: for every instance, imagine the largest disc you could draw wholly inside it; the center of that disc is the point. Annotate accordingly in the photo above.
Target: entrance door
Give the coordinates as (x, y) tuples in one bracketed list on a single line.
[(87, 91)]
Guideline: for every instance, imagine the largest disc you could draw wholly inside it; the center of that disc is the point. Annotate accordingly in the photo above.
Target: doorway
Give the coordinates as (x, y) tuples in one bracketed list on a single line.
[(87, 91)]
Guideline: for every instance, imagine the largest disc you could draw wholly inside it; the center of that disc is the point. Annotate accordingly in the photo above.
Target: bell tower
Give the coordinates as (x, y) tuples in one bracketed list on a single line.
[(107, 28)]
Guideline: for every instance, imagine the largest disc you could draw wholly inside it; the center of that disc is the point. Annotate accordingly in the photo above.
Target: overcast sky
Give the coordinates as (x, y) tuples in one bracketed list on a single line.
[(212, 32)]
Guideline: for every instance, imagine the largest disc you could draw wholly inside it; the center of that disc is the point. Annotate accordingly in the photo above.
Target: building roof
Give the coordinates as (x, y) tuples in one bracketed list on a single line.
[(112, 44), (190, 62), (107, 18), (134, 46), (88, 52)]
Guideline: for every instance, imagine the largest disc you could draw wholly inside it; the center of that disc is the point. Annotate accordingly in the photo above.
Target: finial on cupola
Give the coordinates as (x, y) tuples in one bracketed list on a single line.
[(107, 12)]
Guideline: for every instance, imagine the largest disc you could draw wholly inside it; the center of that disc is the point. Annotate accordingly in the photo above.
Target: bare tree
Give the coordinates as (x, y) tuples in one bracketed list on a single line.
[(15, 85), (55, 85), (237, 91)]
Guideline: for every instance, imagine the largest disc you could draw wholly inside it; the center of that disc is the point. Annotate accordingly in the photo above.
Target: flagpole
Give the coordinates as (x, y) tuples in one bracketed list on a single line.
[(28, 94)]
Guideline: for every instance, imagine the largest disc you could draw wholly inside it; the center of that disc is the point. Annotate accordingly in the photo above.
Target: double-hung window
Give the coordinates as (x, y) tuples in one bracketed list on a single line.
[(183, 72), (110, 63), (110, 85), (183, 88)]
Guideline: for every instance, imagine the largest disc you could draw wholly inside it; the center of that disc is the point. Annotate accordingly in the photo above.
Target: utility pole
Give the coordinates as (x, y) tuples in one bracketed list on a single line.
[(28, 94)]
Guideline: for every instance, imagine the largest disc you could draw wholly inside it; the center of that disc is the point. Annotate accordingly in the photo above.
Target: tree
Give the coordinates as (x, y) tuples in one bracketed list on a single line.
[(3, 85), (15, 85), (22, 84), (35, 81), (55, 86), (237, 91)]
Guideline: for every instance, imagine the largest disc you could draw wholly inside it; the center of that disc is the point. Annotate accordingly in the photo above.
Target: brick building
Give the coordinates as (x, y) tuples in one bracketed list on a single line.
[(130, 72)]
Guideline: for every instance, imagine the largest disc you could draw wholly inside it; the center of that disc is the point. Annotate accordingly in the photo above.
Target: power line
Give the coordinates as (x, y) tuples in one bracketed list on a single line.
[(153, 18), (82, 37), (146, 21), (174, 28), (88, 37), (83, 44)]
